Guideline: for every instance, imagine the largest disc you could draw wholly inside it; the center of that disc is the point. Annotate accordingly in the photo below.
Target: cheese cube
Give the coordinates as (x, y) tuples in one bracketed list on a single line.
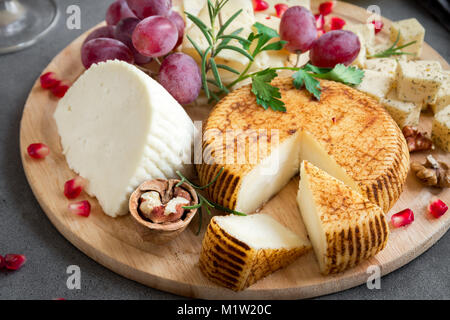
[(404, 113), (365, 31), (443, 95), (441, 129), (377, 47), (386, 65), (410, 30), (418, 81), (376, 84), (193, 7)]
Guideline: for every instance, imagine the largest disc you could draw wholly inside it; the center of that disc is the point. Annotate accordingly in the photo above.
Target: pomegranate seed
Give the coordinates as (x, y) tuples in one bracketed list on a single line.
[(326, 8), (260, 5), (49, 80), (60, 90), (378, 25), (38, 150), (73, 188), (437, 207), (82, 208), (14, 261), (320, 21), (2, 262), (281, 9), (337, 23), (402, 218)]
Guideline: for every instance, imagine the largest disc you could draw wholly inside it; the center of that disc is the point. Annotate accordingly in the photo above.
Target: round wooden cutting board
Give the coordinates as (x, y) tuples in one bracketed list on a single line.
[(174, 267)]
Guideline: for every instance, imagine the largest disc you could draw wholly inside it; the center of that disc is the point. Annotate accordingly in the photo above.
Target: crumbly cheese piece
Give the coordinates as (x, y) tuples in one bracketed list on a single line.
[(404, 113), (441, 129), (228, 57), (418, 81), (238, 251), (443, 95), (376, 84), (365, 32), (118, 128), (410, 30), (291, 3)]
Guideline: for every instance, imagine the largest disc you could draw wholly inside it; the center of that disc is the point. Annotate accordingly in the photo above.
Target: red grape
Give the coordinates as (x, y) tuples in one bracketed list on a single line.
[(155, 36), (117, 11), (147, 8), (180, 75), (338, 46), (179, 22), (103, 49), (298, 28), (123, 32), (102, 32)]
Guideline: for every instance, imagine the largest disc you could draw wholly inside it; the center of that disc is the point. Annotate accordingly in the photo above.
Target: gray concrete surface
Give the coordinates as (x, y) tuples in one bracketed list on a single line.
[(25, 229)]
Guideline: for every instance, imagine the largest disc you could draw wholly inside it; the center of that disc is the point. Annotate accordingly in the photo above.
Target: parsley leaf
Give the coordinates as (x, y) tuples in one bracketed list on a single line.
[(266, 94), (340, 73), (303, 78)]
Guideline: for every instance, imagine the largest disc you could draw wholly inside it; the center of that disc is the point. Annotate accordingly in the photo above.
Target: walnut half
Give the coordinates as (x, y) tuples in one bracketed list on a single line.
[(432, 173)]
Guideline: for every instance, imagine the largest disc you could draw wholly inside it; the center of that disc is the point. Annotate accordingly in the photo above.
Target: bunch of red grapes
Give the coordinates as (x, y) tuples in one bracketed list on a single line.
[(138, 31)]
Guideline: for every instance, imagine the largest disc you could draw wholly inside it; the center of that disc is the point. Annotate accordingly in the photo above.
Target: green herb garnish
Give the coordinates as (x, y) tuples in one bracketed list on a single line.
[(203, 202), (267, 95), (394, 50)]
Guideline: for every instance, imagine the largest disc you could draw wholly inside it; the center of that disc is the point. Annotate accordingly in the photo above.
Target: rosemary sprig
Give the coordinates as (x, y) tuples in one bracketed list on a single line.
[(394, 50), (267, 96), (204, 202)]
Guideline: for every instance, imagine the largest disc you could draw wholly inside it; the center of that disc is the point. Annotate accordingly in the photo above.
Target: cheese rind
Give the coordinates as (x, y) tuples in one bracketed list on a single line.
[(418, 81), (440, 132), (344, 227), (238, 251), (410, 30), (118, 128)]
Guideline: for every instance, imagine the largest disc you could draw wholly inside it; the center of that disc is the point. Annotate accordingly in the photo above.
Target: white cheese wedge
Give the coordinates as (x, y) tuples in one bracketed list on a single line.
[(238, 251), (410, 30), (440, 132), (443, 95), (419, 81), (118, 128), (403, 112), (343, 226), (376, 84)]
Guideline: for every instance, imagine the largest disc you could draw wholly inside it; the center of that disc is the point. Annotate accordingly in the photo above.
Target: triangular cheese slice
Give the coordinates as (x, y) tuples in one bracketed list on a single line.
[(344, 227), (238, 251)]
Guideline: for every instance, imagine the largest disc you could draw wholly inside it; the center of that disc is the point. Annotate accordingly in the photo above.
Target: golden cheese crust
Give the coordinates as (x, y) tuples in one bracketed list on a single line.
[(233, 264), (352, 127), (355, 229)]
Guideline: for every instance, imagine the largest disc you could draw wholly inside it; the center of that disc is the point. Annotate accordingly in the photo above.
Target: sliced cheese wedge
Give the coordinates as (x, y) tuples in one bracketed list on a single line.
[(118, 128), (238, 251), (343, 226)]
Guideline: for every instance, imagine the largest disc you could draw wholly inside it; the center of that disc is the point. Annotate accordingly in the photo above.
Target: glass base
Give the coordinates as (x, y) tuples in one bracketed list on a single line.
[(23, 22)]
